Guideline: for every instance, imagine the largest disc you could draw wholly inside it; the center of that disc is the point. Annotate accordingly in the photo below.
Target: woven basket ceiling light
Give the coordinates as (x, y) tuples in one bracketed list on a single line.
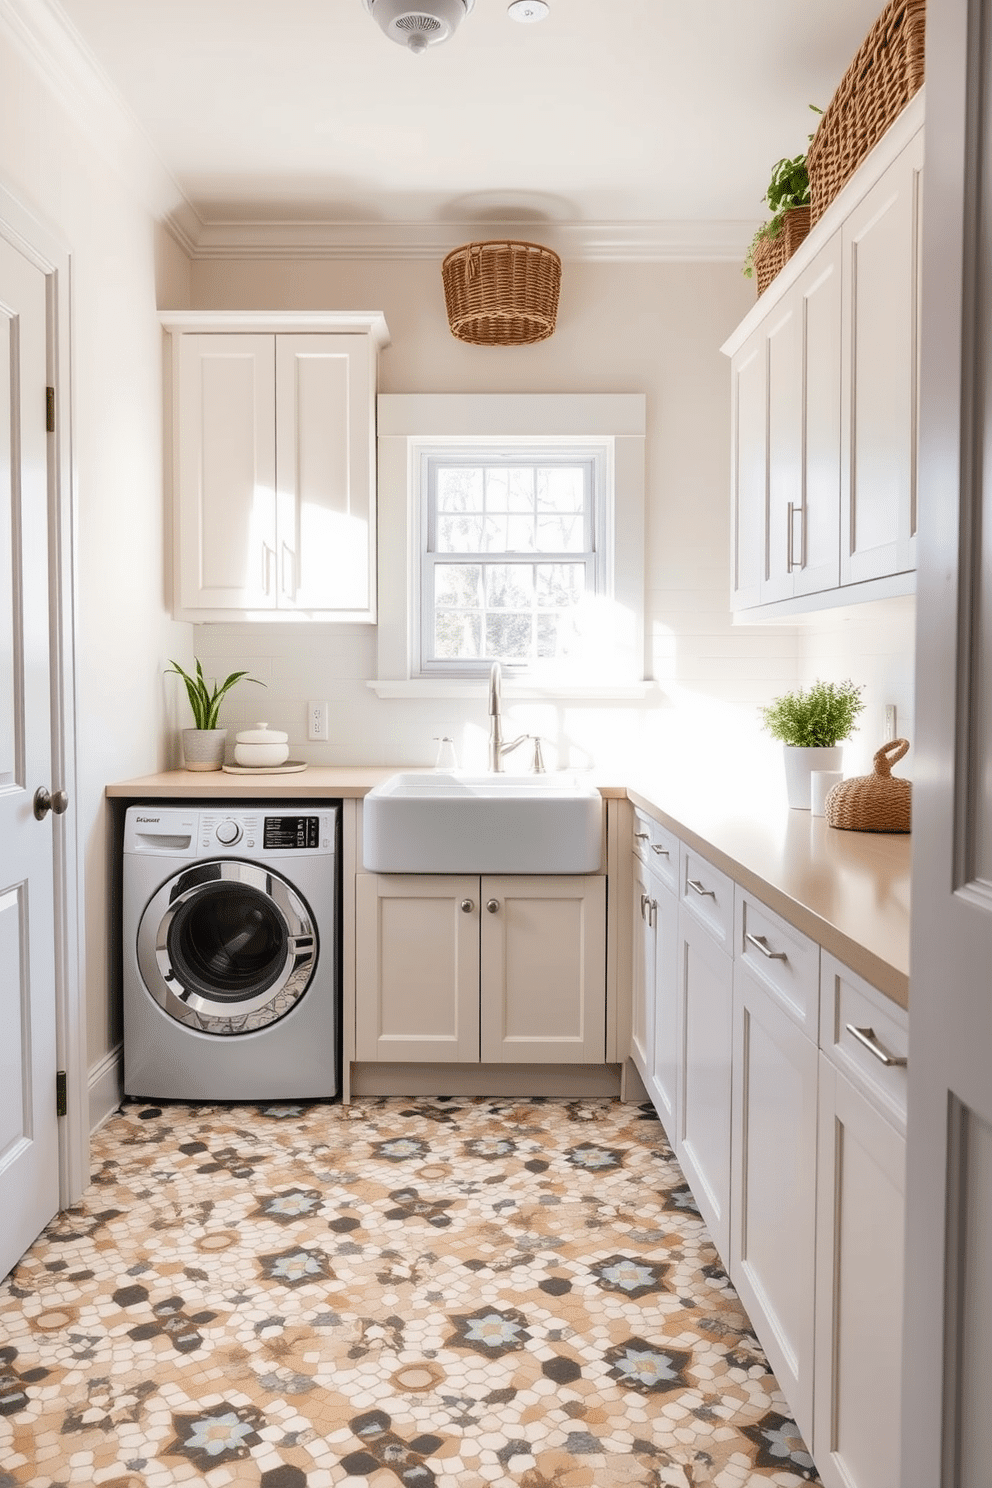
[(502, 293)]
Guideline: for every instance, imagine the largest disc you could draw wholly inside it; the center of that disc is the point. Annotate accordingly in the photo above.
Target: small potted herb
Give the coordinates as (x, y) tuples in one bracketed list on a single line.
[(811, 724), (787, 198), (203, 745)]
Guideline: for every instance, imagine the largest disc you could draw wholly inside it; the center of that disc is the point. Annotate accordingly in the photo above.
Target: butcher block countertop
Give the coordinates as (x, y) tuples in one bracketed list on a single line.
[(848, 891)]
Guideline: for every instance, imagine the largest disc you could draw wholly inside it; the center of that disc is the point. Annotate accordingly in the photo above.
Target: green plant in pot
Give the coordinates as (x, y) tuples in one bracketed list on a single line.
[(811, 724), (203, 745), (787, 190)]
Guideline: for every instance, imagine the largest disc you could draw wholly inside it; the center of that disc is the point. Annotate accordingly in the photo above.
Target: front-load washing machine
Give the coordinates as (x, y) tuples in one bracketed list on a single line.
[(230, 951)]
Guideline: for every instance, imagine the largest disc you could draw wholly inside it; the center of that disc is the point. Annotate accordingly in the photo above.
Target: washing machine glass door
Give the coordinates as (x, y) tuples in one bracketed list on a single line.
[(227, 947)]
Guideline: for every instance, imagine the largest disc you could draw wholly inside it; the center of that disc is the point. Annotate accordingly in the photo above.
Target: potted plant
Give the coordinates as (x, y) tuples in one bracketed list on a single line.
[(811, 725), (787, 198), (203, 745)]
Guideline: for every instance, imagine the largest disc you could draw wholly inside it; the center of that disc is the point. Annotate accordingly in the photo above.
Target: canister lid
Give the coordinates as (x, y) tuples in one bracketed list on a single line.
[(262, 734)]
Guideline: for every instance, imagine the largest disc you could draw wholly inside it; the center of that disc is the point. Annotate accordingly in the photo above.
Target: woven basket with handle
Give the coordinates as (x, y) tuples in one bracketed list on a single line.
[(883, 77), (501, 293), (873, 803)]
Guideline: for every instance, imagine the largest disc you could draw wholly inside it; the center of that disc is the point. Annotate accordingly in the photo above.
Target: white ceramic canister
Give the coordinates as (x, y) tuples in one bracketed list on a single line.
[(261, 747)]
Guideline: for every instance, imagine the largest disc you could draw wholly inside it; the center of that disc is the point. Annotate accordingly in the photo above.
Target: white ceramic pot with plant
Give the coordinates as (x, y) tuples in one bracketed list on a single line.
[(812, 724), (203, 746)]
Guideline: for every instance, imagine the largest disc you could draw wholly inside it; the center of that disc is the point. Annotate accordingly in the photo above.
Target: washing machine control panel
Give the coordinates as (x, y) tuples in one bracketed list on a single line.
[(276, 830), (291, 832), (228, 832)]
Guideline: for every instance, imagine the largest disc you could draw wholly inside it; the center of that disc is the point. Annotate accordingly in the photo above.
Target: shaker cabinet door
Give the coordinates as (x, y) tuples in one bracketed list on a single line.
[(226, 474)]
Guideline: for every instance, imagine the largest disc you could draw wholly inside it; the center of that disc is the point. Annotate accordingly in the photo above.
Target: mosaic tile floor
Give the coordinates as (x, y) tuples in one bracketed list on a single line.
[(460, 1293)]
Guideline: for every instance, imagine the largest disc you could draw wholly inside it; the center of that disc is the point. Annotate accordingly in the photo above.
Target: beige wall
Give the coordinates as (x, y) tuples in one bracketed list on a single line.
[(645, 328), (123, 629)]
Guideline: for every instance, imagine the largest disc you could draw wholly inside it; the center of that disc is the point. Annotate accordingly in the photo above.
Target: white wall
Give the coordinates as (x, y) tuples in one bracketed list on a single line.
[(123, 629), (646, 328)]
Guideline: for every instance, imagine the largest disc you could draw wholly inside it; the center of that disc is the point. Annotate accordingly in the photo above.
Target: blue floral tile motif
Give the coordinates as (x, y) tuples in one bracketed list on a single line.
[(780, 1445), (400, 1149), (289, 1206), (490, 1331), (598, 1159), (296, 1267), (490, 1149), (632, 1276), (644, 1367), (223, 1433)]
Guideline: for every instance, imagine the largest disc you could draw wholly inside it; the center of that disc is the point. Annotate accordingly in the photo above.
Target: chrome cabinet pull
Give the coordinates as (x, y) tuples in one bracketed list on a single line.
[(641, 836), (493, 906), (644, 901), (698, 887), (653, 913), (267, 556), (467, 906), (656, 847), (873, 1044), (791, 560), (761, 944)]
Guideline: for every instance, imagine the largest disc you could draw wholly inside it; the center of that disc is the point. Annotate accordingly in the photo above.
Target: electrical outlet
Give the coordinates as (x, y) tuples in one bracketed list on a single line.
[(317, 720), (890, 722)]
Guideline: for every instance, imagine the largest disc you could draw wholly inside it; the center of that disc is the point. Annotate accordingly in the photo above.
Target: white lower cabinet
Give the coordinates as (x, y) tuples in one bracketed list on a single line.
[(773, 1188), (702, 1135), (859, 1290), (492, 970), (786, 1074)]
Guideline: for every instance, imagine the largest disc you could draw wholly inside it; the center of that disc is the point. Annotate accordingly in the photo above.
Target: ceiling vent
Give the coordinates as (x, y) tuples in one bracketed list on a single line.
[(418, 24)]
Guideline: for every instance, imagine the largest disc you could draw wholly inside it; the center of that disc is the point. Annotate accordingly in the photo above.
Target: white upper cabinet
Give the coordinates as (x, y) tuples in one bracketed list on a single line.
[(823, 399), (274, 466)]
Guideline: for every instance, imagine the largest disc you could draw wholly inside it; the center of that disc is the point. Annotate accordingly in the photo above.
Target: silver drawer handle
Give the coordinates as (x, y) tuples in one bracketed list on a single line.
[(695, 884), (641, 836), (656, 847), (867, 1036), (761, 944)]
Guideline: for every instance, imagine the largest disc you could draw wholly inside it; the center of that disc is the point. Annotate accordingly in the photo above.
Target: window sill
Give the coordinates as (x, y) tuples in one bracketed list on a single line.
[(478, 687)]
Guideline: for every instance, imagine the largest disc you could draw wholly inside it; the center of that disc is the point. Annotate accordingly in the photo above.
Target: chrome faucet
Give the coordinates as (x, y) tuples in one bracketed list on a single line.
[(497, 748)]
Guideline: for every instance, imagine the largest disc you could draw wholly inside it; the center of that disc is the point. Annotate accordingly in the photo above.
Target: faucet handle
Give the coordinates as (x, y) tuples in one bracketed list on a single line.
[(538, 766)]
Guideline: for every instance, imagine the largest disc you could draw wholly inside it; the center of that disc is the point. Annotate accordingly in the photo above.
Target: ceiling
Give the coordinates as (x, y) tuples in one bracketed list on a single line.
[(609, 111)]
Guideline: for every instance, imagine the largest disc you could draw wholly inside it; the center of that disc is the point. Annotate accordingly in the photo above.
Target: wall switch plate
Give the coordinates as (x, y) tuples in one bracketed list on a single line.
[(890, 722), (317, 720)]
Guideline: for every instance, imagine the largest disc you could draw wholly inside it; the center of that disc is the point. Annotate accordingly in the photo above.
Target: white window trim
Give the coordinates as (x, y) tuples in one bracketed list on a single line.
[(410, 422)]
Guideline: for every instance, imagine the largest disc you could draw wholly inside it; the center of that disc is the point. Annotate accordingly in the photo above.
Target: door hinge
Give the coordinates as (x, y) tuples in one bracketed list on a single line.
[(50, 410), (61, 1094)]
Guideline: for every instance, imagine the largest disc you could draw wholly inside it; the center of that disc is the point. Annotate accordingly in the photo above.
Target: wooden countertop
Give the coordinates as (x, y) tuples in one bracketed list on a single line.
[(849, 891)]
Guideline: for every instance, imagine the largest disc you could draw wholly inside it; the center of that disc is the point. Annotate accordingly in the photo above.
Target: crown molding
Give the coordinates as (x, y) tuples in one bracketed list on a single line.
[(627, 242), (45, 37)]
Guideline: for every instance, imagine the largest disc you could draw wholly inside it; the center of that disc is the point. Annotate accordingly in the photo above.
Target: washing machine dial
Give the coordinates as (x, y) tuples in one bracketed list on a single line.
[(228, 832)]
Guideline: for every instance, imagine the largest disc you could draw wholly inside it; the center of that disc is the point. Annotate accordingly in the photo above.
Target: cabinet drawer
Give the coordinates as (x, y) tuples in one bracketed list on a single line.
[(786, 962), (708, 895), (656, 846), (849, 1003)]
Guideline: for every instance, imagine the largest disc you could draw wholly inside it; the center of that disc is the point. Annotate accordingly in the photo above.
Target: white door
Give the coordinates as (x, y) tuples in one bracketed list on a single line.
[(947, 1424), (29, 1168)]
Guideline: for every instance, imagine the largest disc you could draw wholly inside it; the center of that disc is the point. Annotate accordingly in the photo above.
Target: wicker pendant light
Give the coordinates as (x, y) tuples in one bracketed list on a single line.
[(501, 293)]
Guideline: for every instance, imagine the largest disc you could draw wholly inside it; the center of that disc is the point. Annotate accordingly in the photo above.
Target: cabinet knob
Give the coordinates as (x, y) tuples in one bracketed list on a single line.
[(467, 906), (493, 906)]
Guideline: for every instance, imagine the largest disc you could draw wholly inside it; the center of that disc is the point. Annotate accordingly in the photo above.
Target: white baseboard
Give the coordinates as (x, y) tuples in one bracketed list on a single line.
[(106, 1086)]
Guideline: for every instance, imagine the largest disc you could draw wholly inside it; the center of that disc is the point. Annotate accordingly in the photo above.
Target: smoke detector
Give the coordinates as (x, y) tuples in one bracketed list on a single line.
[(418, 24)]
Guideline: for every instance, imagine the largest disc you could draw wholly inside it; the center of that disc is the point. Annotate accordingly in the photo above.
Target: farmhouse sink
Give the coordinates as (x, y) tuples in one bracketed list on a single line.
[(454, 823)]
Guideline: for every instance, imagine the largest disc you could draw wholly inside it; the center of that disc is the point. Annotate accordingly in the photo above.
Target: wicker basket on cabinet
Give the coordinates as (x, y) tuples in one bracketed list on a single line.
[(501, 293), (883, 77), (772, 254)]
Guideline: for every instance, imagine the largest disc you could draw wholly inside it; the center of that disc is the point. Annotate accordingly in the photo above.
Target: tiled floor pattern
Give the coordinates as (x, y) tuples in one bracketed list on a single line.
[(460, 1293)]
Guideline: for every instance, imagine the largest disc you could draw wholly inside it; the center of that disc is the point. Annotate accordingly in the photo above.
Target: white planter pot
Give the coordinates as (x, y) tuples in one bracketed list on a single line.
[(203, 749), (799, 765)]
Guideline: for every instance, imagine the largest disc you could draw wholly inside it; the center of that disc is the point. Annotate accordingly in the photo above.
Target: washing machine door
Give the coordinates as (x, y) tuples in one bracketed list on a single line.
[(227, 947)]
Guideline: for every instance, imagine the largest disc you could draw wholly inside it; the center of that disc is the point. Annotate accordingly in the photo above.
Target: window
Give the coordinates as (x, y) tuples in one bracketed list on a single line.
[(511, 527), (512, 554)]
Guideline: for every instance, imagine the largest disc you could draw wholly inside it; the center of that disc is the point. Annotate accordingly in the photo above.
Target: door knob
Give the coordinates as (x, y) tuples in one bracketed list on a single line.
[(44, 802), (492, 905)]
